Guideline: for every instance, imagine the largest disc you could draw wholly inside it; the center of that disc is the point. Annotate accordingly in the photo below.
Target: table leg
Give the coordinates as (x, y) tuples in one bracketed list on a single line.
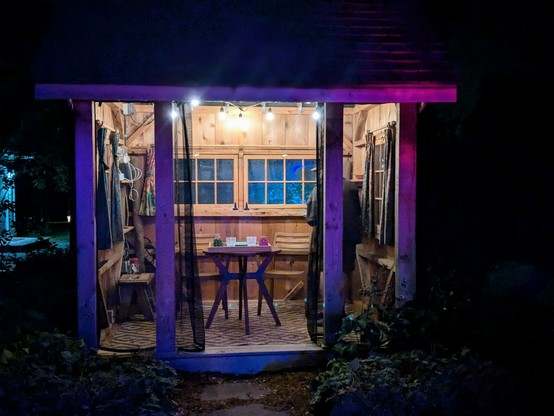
[(221, 293), (268, 299), (243, 265)]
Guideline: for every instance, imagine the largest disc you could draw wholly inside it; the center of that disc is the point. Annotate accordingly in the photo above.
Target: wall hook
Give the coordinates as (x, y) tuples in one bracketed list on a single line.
[(235, 207), (246, 207)]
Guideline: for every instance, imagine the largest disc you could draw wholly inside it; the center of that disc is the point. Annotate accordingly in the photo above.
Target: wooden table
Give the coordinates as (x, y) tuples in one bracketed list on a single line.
[(241, 253)]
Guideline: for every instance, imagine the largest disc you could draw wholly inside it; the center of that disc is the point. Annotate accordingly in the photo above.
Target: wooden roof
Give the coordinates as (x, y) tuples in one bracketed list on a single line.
[(293, 50)]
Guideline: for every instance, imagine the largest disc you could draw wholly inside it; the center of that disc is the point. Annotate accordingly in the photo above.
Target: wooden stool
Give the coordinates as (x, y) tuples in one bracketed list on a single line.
[(141, 285)]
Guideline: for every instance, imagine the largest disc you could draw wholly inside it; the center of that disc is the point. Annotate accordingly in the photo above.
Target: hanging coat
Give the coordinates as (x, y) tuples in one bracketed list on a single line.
[(103, 229), (148, 200), (115, 206)]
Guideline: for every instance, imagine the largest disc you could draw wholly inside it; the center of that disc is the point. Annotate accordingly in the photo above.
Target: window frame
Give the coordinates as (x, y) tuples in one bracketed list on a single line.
[(215, 157), (303, 181), (241, 154), (378, 197)]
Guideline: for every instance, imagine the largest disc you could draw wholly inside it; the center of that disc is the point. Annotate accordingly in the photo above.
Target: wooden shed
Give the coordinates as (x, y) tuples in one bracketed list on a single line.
[(158, 170)]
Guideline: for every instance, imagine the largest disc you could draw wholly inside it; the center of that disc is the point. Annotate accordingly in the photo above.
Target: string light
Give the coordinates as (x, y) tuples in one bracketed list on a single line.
[(270, 116)]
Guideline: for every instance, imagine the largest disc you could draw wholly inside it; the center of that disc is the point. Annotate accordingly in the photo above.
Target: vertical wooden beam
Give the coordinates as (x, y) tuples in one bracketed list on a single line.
[(85, 217), (405, 284), (165, 229), (332, 251)]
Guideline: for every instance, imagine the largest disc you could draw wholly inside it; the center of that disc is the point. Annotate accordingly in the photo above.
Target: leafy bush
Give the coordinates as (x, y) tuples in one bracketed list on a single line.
[(56, 375), (465, 348), (39, 294), (414, 383)]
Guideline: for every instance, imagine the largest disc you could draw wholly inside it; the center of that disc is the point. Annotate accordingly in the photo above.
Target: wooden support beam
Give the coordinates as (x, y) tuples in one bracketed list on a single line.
[(149, 122), (332, 239), (165, 230), (85, 204)]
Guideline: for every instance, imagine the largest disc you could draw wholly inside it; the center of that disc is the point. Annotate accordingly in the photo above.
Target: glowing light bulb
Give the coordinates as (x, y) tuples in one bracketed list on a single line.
[(222, 114), (269, 116)]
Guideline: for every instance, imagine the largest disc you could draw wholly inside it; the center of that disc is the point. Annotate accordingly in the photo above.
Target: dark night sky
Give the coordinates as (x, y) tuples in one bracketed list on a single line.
[(484, 166)]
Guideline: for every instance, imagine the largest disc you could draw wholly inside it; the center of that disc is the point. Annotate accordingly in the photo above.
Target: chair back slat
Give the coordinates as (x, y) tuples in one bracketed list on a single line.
[(203, 241), (292, 242)]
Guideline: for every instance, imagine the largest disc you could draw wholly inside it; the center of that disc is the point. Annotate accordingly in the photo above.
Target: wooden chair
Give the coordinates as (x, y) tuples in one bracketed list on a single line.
[(291, 245), (203, 241)]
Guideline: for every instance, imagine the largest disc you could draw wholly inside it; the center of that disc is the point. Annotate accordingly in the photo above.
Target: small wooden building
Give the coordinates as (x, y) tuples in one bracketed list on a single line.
[(366, 66)]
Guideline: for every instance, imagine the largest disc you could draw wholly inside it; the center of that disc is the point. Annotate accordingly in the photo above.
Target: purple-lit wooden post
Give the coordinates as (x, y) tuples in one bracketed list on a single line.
[(332, 251), (405, 282), (165, 229), (85, 204)]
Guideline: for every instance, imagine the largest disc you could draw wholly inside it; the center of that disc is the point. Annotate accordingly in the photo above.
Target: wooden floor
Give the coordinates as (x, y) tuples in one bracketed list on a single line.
[(138, 334)]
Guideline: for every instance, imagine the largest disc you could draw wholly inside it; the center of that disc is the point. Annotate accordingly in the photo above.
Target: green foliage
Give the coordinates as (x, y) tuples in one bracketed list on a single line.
[(413, 383), (53, 374), (38, 294)]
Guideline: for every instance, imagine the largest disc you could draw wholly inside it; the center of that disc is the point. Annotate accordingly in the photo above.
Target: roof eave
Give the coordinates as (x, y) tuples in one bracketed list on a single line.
[(375, 93)]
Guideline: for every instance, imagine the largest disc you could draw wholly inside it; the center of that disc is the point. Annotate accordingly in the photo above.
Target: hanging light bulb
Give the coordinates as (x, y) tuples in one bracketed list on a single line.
[(243, 123), (316, 114), (269, 116), (222, 114)]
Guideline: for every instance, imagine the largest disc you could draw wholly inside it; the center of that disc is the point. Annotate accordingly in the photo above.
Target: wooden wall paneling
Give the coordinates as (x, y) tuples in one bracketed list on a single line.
[(297, 130), (388, 113), (273, 132), (253, 135), (270, 133), (225, 132), (312, 133), (203, 127)]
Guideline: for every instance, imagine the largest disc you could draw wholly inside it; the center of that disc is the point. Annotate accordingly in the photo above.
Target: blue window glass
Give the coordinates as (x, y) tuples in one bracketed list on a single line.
[(256, 193), (275, 193), (206, 193), (309, 164), (184, 198), (294, 193), (308, 186), (225, 192), (256, 170), (275, 170), (294, 170), (182, 172), (225, 170), (205, 170)]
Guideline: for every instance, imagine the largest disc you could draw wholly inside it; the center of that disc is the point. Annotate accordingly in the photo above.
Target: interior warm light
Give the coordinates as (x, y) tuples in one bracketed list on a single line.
[(316, 115), (174, 114), (194, 102), (243, 123), (269, 116)]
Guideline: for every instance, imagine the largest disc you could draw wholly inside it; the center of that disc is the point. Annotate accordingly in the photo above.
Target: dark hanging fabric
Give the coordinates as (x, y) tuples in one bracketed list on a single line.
[(148, 201), (315, 265), (103, 228), (191, 335), (367, 199), (386, 235), (115, 200)]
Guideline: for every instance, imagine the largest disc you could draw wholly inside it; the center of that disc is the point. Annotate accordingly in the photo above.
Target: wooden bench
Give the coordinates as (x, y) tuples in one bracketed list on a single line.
[(141, 285)]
